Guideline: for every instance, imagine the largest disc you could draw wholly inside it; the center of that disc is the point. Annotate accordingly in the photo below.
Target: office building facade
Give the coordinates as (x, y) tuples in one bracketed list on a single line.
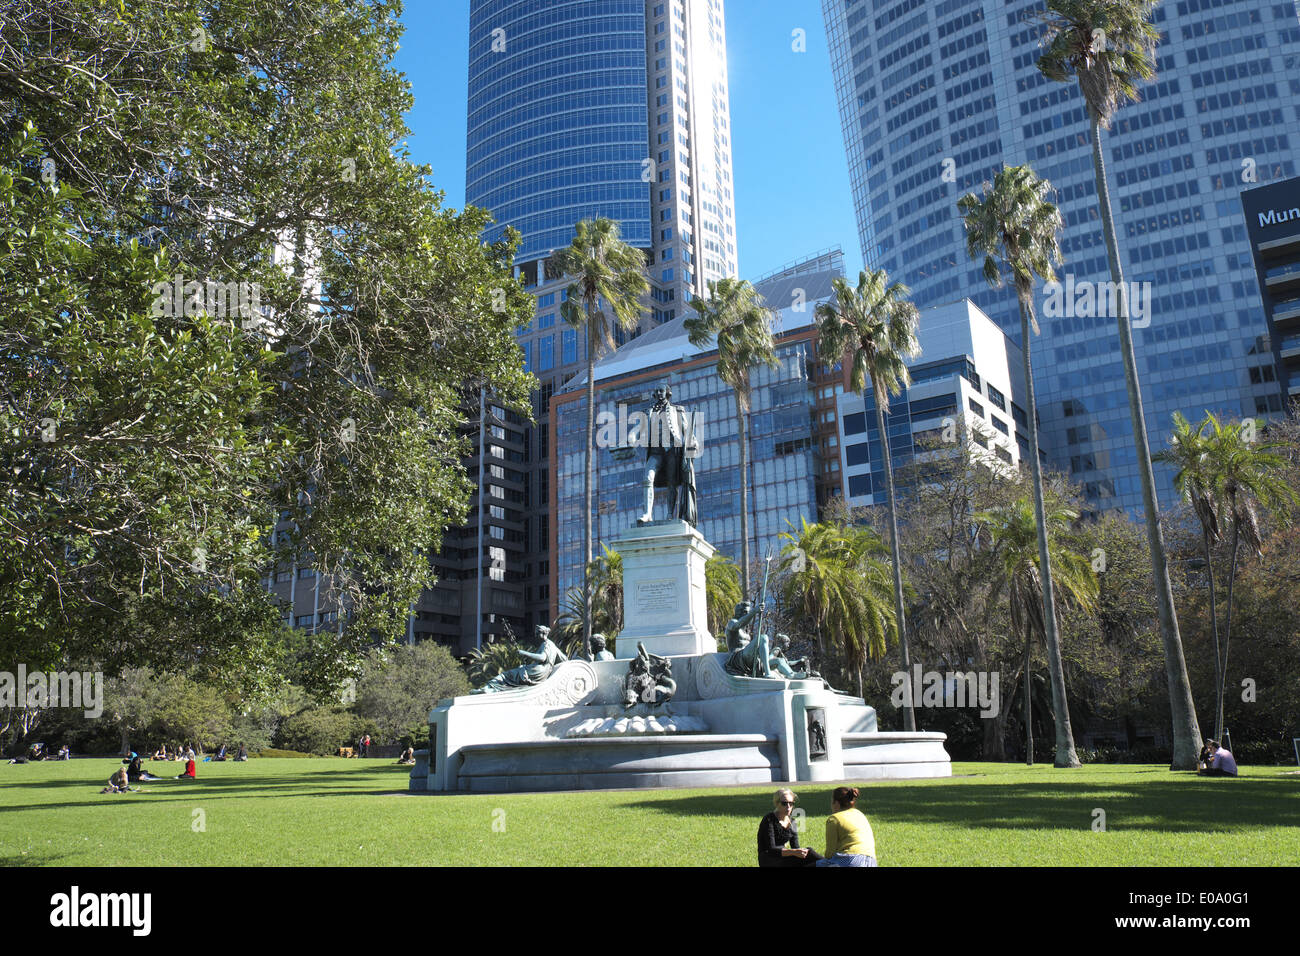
[(1273, 225), (936, 96), (968, 384)]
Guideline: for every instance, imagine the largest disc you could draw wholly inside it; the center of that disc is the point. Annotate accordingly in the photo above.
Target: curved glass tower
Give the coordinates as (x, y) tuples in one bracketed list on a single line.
[(934, 98), (613, 108), (558, 128)]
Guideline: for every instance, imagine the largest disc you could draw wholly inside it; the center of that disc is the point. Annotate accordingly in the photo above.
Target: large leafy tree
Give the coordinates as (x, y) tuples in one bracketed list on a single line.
[(400, 684), (1014, 533), (1016, 228), (873, 328), (1108, 47), (234, 143), (607, 273), (736, 318)]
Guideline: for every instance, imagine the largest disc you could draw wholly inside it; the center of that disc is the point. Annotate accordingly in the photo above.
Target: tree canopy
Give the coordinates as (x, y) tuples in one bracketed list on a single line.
[(162, 444)]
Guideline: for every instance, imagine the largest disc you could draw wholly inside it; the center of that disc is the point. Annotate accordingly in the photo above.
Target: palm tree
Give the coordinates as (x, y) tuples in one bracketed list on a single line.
[(836, 580), (1189, 453), (491, 659), (605, 575), (721, 590), (606, 272), (1109, 47), (1247, 478), (1017, 228), (736, 315), (874, 328), (1015, 533)]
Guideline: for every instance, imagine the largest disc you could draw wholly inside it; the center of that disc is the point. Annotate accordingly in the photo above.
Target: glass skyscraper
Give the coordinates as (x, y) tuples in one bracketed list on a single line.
[(614, 108), (935, 97)]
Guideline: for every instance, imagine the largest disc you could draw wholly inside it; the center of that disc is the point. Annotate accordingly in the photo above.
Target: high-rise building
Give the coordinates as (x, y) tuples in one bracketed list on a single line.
[(1273, 224), (968, 380), (936, 96), (580, 109)]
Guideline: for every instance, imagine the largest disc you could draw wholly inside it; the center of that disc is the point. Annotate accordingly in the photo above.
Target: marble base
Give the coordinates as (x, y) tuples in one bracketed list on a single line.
[(571, 733), (663, 590)]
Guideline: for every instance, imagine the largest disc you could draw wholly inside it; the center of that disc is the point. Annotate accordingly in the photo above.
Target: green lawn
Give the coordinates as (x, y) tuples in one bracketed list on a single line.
[(334, 811)]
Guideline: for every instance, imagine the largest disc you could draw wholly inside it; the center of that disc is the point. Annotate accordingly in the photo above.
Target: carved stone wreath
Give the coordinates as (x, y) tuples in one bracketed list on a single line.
[(571, 684), (711, 680)]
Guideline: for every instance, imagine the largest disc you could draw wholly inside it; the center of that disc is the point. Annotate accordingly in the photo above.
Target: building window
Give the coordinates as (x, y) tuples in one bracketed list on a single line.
[(570, 346), (976, 407), (997, 398), (857, 454), (546, 354)]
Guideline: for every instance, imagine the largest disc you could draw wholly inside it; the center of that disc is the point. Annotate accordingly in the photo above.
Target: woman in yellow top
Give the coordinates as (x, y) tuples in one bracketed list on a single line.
[(849, 840)]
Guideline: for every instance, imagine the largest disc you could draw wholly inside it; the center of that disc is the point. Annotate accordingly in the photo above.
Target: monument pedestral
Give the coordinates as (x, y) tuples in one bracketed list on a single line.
[(664, 604)]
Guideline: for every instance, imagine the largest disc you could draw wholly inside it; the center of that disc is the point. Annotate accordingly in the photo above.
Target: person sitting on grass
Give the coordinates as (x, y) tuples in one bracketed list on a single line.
[(65, 752), (135, 768), (189, 773), (776, 830), (1221, 764), (849, 840), (160, 753), (117, 783), (242, 755), (408, 756)]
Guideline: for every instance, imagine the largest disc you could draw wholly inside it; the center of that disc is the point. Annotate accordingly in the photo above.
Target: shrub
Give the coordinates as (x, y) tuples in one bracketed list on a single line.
[(319, 730)]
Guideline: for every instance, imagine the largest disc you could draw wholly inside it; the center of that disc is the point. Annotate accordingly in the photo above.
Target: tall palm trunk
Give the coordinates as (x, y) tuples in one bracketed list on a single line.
[(1186, 731), (1029, 710), (1227, 631), (1065, 754), (587, 482), (909, 710), (743, 432), (1214, 628)]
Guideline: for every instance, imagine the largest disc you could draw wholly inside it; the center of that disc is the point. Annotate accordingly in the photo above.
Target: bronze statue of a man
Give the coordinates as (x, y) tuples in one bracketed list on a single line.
[(670, 450)]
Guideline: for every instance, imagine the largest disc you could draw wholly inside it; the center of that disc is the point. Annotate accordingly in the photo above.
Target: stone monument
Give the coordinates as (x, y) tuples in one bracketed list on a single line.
[(673, 712)]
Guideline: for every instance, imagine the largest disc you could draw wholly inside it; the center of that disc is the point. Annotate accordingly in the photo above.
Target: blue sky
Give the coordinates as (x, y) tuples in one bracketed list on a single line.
[(791, 182)]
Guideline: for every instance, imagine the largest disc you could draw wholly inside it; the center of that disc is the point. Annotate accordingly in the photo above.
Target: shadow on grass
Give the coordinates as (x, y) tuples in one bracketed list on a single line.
[(1175, 805)]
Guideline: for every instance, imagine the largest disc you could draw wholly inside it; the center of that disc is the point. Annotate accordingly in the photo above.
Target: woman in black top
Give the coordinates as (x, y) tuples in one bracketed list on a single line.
[(779, 828)]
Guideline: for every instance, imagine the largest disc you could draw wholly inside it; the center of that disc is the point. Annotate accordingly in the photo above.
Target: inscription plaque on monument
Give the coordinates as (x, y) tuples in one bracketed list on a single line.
[(658, 596)]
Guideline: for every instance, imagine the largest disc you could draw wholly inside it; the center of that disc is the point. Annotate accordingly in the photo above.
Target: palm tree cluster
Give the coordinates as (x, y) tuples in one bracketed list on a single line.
[(838, 581), (1227, 476)]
